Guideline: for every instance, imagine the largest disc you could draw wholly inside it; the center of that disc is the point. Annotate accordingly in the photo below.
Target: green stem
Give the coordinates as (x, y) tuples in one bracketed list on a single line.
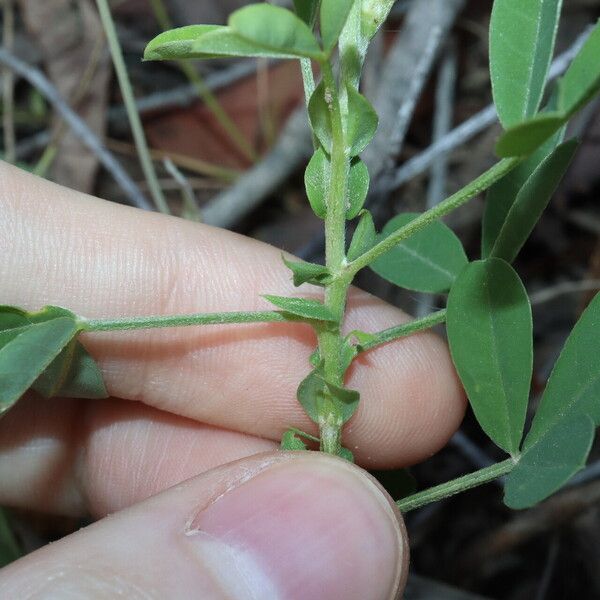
[(456, 486), (330, 339), (404, 330), (128, 323), (482, 183), (132, 113)]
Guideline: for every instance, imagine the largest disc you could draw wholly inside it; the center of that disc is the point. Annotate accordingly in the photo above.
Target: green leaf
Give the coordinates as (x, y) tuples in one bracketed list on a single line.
[(334, 14), (319, 396), (490, 335), (361, 123), (316, 181), (524, 138), (531, 201), (320, 117), (373, 15), (502, 195), (11, 317), (307, 10), (291, 441), (428, 261), (346, 454), (24, 359), (177, 43), (364, 236), (302, 307), (9, 547), (522, 35), (581, 82), (550, 462), (275, 28), (358, 187), (574, 385), (308, 272)]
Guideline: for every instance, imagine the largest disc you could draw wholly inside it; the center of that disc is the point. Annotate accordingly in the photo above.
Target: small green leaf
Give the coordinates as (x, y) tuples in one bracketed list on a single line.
[(291, 441), (581, 82), (302, 307), (524, 138), (364, 236), (29, 354), (361, 124), (308, 273), (490, 335), (177, 43), (275, 28), (550, 462), (428, 261), (346, 454), (358, 187), (574, 385), (502, 195), (307, 10), (320, 116), (333, 18), (531, 201), (373, 15), (522, 35), (11, 317), (316, 181)]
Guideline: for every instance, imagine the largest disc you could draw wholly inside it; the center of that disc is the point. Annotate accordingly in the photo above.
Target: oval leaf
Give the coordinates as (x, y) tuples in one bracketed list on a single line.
[(428, 261), (523, 139), (302, 307), (333, 18), (177, 43), (24, 358), (490, 335), (522, 35), (320, 117), (361, 123), (531, 201), (358, 187), (574, 384), (275, 28), (316, 181), (363, 238), (549, 463)]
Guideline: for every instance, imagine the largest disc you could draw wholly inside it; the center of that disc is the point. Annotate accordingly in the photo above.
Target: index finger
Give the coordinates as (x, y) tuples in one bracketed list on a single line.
[(104, 260)]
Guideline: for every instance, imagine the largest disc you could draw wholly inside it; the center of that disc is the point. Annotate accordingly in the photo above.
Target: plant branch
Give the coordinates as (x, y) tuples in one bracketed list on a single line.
[(456, 486), (404, 330), (129, 323), (129, 101), (482, 183)]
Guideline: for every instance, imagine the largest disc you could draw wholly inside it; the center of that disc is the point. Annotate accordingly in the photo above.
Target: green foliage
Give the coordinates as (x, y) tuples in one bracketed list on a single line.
[(522, 34), (308, 273), (550, 462), (362, 122), (531, 201), (364, 237), (358, 187), (303, 308), (579, 85), (316, 181), (333, 17), (307, 10), (490, 335), (320, 116), (291, 441), (429, 261)]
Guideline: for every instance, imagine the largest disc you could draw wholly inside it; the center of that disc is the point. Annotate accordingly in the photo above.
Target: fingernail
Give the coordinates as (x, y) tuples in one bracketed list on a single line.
[(313, 527)]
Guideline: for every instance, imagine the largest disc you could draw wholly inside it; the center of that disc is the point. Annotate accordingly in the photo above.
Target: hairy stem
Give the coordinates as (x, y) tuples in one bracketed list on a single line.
[(482, 183), (330, 339), (132, 113), (128, 323), (456, 486), (404, 330)]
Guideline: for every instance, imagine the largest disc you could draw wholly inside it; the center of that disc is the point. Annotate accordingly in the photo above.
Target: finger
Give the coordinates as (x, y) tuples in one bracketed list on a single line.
[(75, 457), (273, 526), (100, 260)]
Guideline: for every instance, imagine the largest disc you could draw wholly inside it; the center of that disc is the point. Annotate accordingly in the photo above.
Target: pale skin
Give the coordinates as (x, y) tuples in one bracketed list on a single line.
[(188, 402)]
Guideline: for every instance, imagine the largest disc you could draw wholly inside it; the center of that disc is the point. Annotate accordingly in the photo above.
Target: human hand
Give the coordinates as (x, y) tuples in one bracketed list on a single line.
[(185, 404)]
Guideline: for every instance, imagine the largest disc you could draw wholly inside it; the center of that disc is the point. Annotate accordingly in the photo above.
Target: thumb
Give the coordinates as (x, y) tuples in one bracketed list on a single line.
[(272, 526)]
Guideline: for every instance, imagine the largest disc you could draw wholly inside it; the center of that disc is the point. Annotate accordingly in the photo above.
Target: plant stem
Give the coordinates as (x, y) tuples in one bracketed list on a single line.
[(482, 183), (406, 329), (128, 323), (132, 113), (456, 486), (330, 339)]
